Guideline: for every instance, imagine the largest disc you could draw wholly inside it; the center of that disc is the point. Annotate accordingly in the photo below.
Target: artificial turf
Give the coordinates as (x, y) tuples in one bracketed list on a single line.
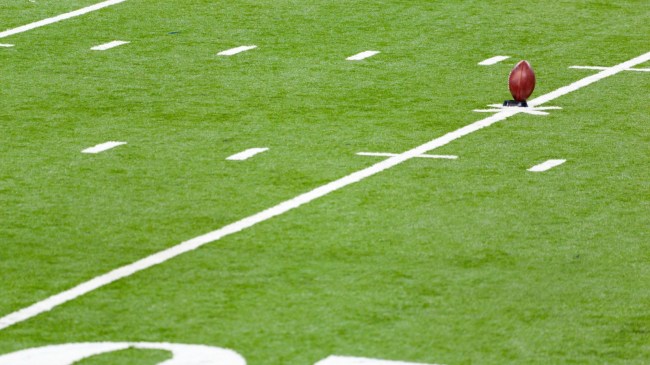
[(462, 261)]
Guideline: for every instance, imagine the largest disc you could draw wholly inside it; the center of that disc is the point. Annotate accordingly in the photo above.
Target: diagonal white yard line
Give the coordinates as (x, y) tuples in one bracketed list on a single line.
[(589, 80), (109, 45), (59, 18), (103, 147), (194, 243), (605, 68), (493, 60), (386, 154), (245, 155), (363, 55), (546, 165), (234, 51)]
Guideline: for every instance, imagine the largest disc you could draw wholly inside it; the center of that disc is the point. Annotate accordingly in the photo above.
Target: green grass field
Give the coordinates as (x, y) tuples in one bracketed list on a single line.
[(467, 261)]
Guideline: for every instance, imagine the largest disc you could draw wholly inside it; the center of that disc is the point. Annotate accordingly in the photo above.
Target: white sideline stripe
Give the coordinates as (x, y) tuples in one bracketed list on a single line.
[(109, 45), (244, 155), (103, 147), (385, 154), (605, 68), (546, 165), (232, 51), (59, 18), (194, 243), (362, 55), (493, 60), (6, 45), (346, 360)]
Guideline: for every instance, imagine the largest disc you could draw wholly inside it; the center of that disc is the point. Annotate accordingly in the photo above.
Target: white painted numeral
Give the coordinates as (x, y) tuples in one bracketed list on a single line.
[(69, 354)]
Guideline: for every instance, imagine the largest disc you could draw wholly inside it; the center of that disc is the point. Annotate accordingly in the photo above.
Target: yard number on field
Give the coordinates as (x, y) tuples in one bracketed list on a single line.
[(181, 354)]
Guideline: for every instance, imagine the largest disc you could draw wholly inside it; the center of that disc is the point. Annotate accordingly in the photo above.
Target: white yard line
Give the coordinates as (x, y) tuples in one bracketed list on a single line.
[(194, 243), (109, 45), (244, 155), (605, 68), (233, 51), (103, 147), (59, 18), (493, 60), (589, 80), (362, 55), (546, 165), (385, 154), (6, 45)]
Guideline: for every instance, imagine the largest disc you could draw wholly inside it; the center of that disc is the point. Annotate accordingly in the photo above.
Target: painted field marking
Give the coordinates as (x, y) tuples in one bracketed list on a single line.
[(181, 354), (346, 360), (103, 147), (385, 154), (6, 45), (302, 199), (362, 55), (233, 51), (109, 45), (59, 18), (244, 155), (540, 110), (72, 353), (493, 60), (546, 165), (605, 68)]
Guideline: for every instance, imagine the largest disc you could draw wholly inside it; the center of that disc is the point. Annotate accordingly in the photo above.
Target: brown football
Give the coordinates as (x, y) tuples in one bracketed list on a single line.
[(521, 81)]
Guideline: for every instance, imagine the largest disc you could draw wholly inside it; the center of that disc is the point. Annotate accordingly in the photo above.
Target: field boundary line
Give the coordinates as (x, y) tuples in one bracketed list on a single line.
[(58, 18), (194, 243)]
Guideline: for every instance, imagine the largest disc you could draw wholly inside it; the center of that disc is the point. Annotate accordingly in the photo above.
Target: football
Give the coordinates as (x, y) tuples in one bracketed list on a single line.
[(521, 81)]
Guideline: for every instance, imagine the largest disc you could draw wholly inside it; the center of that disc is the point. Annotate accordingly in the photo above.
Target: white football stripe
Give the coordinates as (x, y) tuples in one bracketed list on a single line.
[(244, 155), (103, 147), (6, 45), (605, 68), (59, 18), (233, 51), (109, 45), (385, 154), (362, 55), (493, 60), (546, 165)]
